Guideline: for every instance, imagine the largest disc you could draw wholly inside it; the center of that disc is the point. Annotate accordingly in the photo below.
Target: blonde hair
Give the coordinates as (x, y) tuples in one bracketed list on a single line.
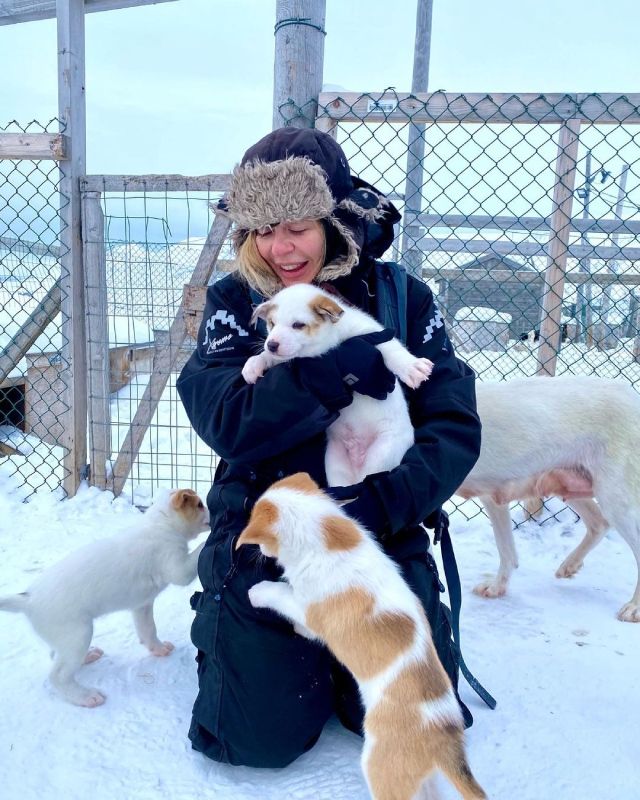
[(255, 271)]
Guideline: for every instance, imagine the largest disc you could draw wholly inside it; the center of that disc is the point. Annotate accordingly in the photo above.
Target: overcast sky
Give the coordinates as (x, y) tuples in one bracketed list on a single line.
[(186, 86)]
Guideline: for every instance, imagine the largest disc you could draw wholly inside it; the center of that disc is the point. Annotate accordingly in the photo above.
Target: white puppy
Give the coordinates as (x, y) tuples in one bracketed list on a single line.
[(370, 435), (576, 437), (126, 571), (342, 589)]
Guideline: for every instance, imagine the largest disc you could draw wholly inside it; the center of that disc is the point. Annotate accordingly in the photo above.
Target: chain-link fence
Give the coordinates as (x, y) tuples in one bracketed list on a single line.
[(144, 240), (521, 212), (32, 404)]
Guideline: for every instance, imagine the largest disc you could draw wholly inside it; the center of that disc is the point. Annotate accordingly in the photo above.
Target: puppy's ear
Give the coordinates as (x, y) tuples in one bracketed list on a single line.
[(261, 312), (182, 498), (261, 527), (326, 308)]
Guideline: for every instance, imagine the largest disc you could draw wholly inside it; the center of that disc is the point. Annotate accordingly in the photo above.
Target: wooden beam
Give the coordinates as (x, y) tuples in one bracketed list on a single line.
[(478, 108), (506, 223), (44, 313), (22, 246), (72, 116), (15, 11), (558, 250), (33, 146), (155, 183), (504, 247), (95, 270), (166, 359), (526, 277)]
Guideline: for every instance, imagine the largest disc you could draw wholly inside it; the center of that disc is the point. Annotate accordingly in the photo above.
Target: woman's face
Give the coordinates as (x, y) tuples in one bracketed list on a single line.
[(294, 250)]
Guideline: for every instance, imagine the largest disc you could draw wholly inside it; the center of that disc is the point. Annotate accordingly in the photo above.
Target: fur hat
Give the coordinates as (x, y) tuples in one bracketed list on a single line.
[(294, 174)]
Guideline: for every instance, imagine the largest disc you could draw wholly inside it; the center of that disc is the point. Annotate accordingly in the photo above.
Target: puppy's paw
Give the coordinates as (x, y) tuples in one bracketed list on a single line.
[(254, 368), (416, 371), (93, 654), (569, 567), (491, 588), (630, 612), (162, 649), (92, 699), (260, 594)]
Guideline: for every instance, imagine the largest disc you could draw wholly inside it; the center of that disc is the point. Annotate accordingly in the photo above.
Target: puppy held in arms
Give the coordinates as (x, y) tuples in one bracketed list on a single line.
[(369, 435), (341, 589), (126, 571)]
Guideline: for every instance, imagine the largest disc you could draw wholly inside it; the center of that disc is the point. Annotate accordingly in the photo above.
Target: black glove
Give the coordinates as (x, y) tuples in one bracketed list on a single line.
[(366, 507), (356, 365)]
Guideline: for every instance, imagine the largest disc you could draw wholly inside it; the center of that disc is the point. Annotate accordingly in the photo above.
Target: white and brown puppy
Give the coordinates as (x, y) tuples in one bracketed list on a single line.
[(126, 571), (575, 437), (370, 435), (342, 589)]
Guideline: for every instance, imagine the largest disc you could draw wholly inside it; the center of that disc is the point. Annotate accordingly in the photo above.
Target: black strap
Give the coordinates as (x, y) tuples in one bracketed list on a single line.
[(391, 297), (452, 577)]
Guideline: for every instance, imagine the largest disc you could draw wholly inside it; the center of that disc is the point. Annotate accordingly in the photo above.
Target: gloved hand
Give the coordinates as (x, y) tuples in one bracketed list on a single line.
[(356, 365), (366, 507)]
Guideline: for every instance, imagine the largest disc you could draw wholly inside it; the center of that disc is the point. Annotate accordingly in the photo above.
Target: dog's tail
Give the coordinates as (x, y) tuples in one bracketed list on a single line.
[(18, 603)]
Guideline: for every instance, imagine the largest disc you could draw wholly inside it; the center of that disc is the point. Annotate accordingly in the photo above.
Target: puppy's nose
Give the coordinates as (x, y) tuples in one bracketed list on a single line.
[(272, 346)]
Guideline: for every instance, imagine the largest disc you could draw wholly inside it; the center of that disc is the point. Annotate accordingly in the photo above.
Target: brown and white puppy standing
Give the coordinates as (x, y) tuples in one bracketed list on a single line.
[(572, 436), (369, 435), (341, 588), (126, 571)]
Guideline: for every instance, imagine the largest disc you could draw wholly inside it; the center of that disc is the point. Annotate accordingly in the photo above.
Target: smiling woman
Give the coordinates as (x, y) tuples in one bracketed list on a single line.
[(294, 251), (302, 218)]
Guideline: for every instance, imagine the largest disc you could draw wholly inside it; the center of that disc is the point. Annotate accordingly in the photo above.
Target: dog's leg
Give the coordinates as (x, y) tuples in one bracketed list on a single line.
[(183, 570), (596, 525), (279, 597), (70, 646), (628, 526), (147, 633), (502, 530), (411, 370), (256, 366)]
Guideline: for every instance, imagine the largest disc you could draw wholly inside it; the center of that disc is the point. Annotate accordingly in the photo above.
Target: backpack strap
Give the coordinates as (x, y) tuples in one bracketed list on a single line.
[(391, 297), (452, 576)]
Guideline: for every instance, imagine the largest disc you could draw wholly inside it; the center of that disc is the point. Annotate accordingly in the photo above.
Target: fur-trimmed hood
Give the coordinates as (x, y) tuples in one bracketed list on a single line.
[(294, 174)]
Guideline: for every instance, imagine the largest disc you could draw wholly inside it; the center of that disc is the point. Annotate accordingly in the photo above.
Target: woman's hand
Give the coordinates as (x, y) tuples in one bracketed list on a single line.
[(357, 362)]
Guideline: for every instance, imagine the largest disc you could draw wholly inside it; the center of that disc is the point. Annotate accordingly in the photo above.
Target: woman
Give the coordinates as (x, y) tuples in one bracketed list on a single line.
[(265, 692)]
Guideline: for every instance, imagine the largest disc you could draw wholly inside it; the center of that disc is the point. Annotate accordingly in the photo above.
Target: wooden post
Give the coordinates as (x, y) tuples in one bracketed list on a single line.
[(558, 247), (298, 62), (411, 255), (71, 112), (97, 338), (166, 359), (608, 340)]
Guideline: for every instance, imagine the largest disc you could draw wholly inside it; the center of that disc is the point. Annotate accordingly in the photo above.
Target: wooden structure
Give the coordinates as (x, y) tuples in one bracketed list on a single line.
[(474, 284)]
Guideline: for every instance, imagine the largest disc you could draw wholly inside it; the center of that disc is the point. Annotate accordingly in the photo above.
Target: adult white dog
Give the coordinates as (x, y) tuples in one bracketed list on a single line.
[(126, 571), (576, 437)]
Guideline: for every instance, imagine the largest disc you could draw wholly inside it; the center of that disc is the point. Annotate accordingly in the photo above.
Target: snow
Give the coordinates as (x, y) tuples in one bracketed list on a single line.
[(552, 652)]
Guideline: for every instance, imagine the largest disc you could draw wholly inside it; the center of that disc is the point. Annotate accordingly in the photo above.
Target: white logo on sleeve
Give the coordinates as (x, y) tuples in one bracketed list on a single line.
[(434, 323), (220, 317)]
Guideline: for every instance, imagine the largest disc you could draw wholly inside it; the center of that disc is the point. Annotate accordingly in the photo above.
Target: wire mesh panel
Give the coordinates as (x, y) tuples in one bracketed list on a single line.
[(31, 341), (148, 242), (477, 180)]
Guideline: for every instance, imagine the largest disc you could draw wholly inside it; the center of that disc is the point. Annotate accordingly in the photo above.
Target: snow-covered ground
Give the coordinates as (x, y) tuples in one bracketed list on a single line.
[(552, 652)]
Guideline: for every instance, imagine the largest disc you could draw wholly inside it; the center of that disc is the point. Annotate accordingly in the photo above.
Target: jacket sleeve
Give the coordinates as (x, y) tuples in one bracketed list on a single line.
[(239, 421), (443, 413)]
